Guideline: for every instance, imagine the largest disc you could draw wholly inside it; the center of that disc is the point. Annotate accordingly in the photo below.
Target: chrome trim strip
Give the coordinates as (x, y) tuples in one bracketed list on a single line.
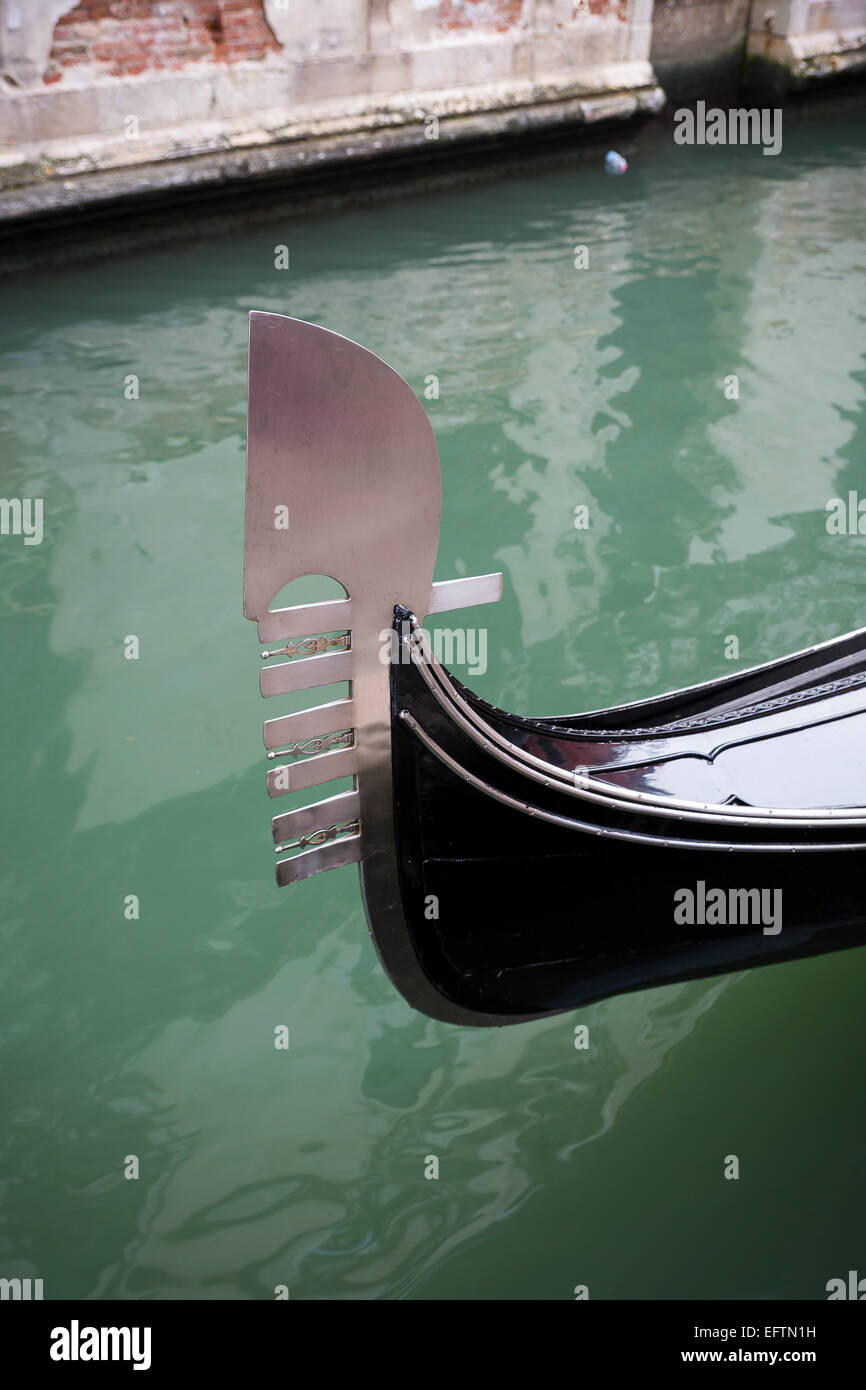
[(634, 836), (587, 788)]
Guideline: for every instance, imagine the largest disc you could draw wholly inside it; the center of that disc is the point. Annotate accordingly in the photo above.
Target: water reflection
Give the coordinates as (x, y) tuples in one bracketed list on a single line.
[(155, 1038)]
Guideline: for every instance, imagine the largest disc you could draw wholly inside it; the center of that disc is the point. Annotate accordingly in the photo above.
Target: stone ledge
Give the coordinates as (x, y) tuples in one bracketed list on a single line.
[(286, 160), (791, 63), (178, 140)]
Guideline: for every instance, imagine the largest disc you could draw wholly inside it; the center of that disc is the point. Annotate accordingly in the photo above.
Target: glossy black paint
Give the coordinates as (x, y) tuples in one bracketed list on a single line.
[(532, 918)]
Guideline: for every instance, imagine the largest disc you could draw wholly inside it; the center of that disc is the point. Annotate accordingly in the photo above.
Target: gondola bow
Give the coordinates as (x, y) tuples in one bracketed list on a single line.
[(511, 867)]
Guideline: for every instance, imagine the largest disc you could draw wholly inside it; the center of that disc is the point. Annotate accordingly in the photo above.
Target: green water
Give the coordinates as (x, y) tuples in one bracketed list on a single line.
[(558, 387)]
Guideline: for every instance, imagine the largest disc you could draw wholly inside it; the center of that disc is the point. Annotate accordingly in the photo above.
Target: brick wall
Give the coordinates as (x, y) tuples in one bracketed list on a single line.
[(122, 38)]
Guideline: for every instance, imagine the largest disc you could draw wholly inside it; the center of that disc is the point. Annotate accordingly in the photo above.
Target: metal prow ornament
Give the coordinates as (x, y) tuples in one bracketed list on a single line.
[(343, 479)]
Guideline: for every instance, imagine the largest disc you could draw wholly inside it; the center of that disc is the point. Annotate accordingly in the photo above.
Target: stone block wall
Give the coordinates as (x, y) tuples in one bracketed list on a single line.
[(799, 44), (195, 76), (99, 85)]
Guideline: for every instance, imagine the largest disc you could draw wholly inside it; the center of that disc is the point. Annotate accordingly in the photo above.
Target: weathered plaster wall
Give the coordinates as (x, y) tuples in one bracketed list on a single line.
[(200, 75), (356, 46), (371, 47), (26, 32), (794, 44)]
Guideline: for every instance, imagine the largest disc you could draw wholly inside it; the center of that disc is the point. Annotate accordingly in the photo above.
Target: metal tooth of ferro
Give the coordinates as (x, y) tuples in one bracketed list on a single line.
[(322, 767), (313, 746), (288, 730), (325, 669), (336, 816), (319, 837)]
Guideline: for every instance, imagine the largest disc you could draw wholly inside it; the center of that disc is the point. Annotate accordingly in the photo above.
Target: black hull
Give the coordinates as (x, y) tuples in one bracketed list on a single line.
[(513, 916)]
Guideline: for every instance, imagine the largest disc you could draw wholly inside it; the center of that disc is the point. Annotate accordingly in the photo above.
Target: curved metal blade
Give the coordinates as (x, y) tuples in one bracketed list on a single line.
[(343, 479)]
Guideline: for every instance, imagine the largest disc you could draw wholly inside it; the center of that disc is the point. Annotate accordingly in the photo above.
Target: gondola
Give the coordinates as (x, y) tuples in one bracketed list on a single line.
[(514, 868)]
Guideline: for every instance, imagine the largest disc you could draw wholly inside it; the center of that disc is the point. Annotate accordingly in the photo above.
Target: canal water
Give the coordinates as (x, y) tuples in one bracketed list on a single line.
[(151, 1037)]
